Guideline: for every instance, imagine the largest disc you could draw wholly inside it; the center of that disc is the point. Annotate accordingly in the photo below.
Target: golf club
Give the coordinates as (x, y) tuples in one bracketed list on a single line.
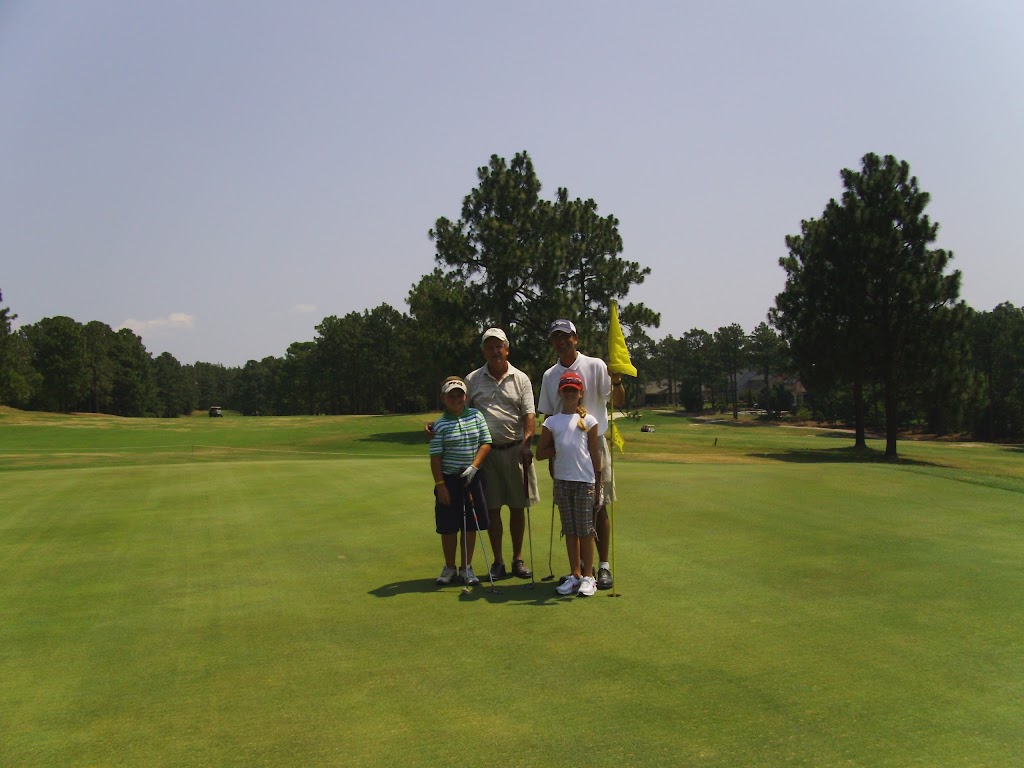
[(480, 538), (551, 543), (465, 556), (529, 525)]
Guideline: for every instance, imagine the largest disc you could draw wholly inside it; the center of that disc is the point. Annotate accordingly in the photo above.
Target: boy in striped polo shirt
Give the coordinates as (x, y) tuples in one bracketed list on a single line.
[(459, 445)]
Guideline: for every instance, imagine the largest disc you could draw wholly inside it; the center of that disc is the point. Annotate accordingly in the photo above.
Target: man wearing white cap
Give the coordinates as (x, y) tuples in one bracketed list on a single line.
[(504, 395), (599, 387)]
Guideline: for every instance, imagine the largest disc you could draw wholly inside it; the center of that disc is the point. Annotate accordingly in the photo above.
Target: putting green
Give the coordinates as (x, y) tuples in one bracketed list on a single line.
[(260, 592)]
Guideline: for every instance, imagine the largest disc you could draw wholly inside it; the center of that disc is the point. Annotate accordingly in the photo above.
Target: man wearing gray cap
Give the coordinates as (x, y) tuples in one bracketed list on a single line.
[(504, 395)]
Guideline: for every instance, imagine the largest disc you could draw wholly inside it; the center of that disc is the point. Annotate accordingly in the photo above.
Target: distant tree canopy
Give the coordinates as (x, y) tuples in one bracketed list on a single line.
[(867, 301), (17, 376), (518, 262)]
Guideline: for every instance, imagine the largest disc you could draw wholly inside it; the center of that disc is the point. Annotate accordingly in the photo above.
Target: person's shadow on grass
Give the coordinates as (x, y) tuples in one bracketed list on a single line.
[(512, 593)]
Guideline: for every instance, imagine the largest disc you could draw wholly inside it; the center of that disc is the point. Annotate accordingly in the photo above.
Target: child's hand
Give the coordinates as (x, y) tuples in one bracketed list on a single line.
[(443, 497), (468, 474)]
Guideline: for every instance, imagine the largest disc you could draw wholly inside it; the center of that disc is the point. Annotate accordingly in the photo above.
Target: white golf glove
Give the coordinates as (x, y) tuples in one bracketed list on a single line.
[(468, 474)]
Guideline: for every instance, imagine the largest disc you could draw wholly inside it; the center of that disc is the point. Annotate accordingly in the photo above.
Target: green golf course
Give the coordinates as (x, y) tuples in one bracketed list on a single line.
[(260, 592)]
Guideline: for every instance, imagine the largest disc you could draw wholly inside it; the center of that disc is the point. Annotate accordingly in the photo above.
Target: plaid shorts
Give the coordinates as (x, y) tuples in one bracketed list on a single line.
[(575, 506)]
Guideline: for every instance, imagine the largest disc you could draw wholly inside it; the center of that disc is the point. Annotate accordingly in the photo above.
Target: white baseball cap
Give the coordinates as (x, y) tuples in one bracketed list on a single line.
[(495, 333), (451, 384)]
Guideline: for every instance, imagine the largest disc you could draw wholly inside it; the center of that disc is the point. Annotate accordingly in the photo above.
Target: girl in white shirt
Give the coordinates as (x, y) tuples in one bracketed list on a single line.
[(571, 439)]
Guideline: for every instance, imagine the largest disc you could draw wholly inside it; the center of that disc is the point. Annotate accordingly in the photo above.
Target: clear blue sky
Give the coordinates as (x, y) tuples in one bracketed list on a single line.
[(221, 175)]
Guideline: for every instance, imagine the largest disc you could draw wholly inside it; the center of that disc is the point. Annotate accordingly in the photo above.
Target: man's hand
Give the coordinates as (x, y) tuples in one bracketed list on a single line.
[(468, 474), (526, 455), (599, 496)]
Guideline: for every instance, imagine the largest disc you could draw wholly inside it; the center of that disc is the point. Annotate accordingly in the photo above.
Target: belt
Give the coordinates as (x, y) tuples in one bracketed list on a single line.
[(495, 447)]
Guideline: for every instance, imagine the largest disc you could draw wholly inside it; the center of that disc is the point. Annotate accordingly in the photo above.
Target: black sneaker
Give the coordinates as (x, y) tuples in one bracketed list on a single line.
[(498, 571), (520, 570), (604, 579)]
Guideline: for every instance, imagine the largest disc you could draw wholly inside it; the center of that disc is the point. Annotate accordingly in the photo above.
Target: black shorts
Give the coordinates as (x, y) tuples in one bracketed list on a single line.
[(449, 519)]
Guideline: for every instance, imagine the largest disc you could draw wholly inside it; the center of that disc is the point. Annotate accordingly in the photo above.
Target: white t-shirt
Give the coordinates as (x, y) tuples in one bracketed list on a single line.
[(597, 388), (572, 449)]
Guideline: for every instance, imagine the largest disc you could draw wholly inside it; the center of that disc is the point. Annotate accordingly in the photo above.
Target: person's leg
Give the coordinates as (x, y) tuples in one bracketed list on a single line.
[(517, 524), (449, 541), (495, 532), (572, 546), (602, 523), (586, 556), (604, 533), (446, 524)]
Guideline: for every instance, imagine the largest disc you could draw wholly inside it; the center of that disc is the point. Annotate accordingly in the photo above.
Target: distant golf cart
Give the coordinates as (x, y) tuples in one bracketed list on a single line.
[(215, 411), (647, 428)]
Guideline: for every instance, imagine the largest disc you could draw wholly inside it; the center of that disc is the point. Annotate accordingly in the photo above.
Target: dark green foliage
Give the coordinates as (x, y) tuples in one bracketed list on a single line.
[(523, 261), (134, 391), (298, 392), (767, 354), (18, 378), (730, 349), (175, 390), (866, 298), (996, 341), (59, 355), (214, 385)]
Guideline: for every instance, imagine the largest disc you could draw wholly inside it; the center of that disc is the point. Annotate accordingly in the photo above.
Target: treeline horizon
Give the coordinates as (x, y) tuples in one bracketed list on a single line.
[(372, 363)]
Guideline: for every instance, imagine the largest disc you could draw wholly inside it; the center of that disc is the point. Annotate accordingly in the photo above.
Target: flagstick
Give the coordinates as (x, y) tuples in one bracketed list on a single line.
[(611, 504), (619, 355)]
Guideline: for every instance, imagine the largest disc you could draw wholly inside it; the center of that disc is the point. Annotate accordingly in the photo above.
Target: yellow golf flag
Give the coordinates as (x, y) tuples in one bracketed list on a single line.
[(618, 355), (616, 437)]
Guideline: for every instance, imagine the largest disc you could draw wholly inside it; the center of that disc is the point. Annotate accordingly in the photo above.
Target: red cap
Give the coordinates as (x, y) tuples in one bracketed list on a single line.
[(570, 379)]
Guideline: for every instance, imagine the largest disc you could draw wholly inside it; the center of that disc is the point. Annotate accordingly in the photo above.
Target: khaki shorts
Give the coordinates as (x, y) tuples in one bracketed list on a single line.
[(607, 478), (503, 472)]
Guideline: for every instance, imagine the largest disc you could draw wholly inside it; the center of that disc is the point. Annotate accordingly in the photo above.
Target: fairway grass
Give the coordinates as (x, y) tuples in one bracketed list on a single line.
[(259, 592)]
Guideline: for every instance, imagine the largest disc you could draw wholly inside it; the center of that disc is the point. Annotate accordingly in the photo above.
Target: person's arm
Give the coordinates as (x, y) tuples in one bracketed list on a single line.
[(481, 454), (529, 428), (594, 446), (618, 391), (442, 490), (546, 446)]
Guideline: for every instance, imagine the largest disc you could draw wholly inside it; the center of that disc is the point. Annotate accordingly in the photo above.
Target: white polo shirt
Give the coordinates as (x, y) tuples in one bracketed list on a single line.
[(597, 388)]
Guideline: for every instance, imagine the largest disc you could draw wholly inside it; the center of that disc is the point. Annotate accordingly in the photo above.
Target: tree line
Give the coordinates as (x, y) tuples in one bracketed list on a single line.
[(869, 322)]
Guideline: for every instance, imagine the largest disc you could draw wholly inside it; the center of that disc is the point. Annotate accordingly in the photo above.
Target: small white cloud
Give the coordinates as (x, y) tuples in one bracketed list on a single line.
[(174, 321), (304, 309)]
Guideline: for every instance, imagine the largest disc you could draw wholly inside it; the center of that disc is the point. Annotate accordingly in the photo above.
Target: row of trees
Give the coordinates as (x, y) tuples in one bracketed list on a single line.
[(700, 369), (869, 320), (975, 387), (59, 364)]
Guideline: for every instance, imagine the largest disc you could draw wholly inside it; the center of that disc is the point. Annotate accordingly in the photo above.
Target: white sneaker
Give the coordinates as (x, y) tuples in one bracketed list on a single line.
[(569, 586), (468, 576), (447, 574), (588, 586)]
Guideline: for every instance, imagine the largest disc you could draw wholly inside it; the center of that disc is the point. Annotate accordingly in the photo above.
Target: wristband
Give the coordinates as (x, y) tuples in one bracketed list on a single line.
[(439, 482)]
